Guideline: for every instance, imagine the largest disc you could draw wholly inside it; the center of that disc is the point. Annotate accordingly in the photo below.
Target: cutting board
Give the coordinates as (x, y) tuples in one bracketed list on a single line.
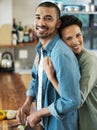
[(5, 34)]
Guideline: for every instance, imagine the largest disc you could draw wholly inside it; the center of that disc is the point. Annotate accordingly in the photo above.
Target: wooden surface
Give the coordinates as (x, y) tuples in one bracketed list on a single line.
[(12, 96), (12, 91), (27, 81)]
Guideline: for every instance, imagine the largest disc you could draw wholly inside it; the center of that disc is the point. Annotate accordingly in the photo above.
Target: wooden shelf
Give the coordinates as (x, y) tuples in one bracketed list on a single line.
[(19, 45)]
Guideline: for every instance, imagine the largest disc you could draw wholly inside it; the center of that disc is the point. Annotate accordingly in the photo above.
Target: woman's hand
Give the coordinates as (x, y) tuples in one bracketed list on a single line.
[(48, 68)]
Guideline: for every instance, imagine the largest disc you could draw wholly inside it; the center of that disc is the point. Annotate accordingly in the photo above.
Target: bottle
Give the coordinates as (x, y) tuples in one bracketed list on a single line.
[(20, 32), (14, 32), (26, 34), (35, 38), (14, 39), (31, 35)]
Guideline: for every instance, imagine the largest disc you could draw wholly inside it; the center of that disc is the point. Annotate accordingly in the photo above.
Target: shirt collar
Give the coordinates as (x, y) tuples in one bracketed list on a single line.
[(50, 45)]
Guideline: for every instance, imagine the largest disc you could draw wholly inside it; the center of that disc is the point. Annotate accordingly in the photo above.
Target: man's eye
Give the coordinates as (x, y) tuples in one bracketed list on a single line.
[(37, 17), (48, 18)]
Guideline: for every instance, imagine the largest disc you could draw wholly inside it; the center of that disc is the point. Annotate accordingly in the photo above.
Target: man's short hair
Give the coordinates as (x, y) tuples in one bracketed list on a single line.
[(51, 5)]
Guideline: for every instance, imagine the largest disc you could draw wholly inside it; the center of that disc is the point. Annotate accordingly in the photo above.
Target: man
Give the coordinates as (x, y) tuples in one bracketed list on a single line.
[(54, 111), (70, 32)]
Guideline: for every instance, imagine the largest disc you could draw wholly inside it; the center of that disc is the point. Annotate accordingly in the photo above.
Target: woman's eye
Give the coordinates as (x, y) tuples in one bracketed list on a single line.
[(78, 35), (69, 38)]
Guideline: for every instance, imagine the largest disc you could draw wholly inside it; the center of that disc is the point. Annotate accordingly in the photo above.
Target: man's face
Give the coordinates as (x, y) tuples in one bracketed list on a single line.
[(46, 22), (72, 36)]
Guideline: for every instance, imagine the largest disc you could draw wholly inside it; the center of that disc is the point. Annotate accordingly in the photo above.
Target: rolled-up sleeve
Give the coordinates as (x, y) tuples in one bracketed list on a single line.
[(31, 89), (53, 111)]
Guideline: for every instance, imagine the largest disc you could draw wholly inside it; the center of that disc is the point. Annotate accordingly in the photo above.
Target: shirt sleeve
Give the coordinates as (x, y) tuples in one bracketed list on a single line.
[(88, 80), (68, 76), (31, 90)]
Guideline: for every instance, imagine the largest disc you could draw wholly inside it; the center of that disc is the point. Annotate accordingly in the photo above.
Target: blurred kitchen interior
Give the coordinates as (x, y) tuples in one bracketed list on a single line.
[(23, 10)]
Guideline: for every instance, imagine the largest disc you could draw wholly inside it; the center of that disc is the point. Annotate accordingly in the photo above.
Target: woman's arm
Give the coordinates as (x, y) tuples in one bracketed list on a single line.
[(48, 68)]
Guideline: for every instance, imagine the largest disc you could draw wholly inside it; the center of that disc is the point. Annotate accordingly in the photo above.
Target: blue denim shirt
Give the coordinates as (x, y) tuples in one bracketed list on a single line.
[(63, 106)]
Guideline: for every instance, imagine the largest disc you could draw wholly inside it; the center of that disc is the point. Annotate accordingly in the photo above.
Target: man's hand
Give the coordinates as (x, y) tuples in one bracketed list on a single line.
[(22, 114), (24, 111), (33, 119)]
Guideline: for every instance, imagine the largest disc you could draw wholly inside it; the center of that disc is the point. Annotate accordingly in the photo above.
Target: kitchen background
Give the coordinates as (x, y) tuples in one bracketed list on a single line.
[(23, 10)]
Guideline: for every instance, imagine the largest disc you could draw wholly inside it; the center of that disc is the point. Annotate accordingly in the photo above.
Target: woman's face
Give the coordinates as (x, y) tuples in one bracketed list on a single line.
[(72, 36)]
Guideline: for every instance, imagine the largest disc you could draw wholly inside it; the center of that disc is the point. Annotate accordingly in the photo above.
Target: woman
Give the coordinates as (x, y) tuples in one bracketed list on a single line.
[(70, 32)]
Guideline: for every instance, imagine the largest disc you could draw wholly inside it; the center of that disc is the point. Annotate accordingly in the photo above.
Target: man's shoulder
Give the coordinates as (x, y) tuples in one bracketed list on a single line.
[(63, 46)]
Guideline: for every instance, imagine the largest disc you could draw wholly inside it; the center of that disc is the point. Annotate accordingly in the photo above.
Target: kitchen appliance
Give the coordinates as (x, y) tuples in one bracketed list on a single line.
[(7, 62)]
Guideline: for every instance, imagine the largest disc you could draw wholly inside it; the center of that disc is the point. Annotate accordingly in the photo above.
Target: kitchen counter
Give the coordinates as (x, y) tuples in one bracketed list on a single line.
[(12, 96), (12, 90), (23, 71)]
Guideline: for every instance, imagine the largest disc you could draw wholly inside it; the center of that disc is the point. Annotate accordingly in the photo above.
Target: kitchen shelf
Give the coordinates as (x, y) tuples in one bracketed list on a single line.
[(78, 12)]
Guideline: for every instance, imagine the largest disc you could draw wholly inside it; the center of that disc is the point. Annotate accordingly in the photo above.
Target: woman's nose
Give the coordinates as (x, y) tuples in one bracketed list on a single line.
[(75, 41)]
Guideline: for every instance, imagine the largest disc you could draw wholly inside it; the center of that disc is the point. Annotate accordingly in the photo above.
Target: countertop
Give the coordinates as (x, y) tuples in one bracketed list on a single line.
[(12, 90), (23, 71), (12, 95)]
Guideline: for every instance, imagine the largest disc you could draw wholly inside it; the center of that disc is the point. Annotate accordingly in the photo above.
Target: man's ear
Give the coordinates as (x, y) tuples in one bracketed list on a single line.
[(58, 23)]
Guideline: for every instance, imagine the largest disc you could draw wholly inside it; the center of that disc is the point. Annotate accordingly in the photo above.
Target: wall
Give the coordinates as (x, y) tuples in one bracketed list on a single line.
[(5, 12), (25, 62), (5, 21), (23, 10)]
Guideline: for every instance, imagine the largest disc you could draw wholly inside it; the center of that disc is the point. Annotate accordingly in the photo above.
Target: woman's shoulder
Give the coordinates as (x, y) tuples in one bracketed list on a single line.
[(88, 56)]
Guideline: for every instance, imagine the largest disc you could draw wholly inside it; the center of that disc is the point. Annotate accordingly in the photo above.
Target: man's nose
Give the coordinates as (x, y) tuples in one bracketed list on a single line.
[(42, 21)]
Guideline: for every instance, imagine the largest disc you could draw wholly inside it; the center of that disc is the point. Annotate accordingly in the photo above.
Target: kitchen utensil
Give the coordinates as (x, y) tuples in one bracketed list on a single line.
[(72, 8), (61, 6), (7, 63), (90, 7)]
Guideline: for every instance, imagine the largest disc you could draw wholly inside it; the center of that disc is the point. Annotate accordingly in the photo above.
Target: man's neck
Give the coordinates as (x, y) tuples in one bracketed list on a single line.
[(45, 41)]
